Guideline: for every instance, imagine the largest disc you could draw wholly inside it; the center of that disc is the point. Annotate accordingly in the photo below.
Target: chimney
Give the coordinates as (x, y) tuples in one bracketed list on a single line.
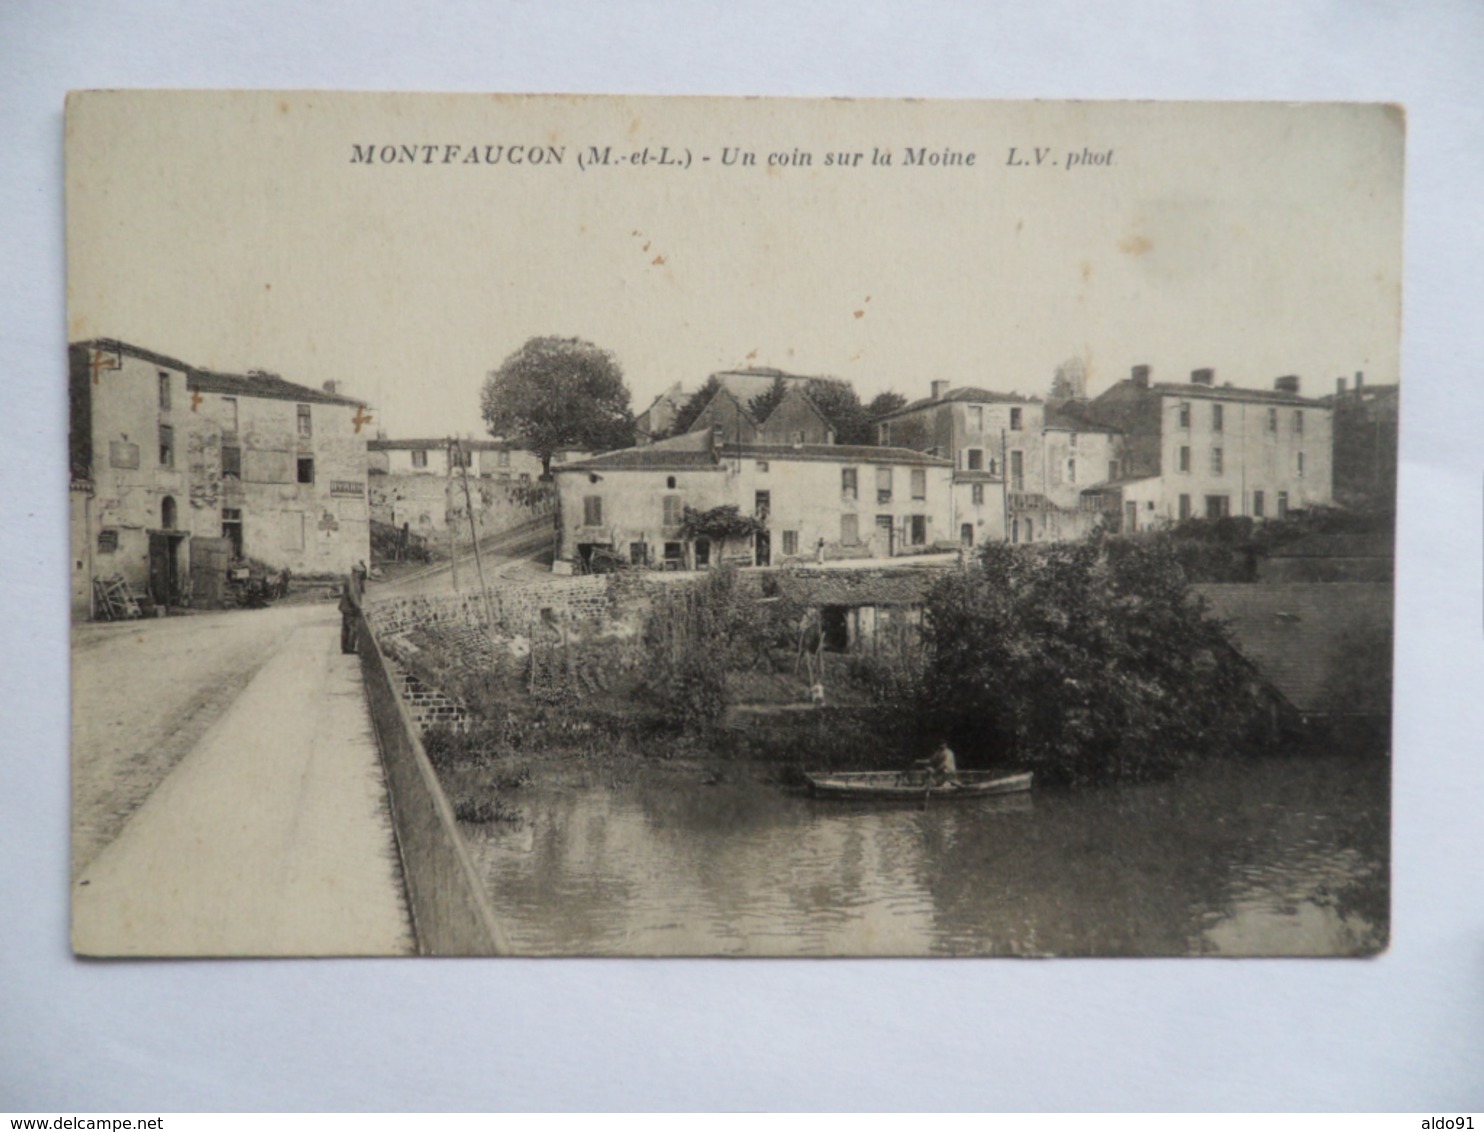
[(329, 387), (1140, 377), (1288, 383), (940, 390), (1203, 377), (1339, 387), (1359, 382)]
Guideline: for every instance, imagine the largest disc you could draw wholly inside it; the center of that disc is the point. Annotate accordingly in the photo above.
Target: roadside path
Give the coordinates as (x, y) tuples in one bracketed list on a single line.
[(271, 836)]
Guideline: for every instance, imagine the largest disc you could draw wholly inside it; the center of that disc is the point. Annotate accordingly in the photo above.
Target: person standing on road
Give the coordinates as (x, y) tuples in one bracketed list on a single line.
[(348, 610)]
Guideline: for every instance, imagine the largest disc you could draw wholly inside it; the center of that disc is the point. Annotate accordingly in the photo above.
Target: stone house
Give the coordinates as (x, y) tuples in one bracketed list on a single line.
[(419, 483), (175, 469), (1201, 450), (817, 500), (1018, 462)]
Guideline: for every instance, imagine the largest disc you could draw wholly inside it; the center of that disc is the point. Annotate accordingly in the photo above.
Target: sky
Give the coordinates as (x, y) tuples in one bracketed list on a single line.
[(250, 231)]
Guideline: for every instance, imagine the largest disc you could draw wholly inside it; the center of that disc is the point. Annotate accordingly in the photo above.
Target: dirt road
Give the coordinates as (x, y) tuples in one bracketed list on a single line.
[(228, 793)]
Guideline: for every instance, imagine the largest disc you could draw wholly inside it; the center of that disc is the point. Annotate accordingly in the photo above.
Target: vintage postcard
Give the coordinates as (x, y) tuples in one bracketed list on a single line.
[(677, 526)]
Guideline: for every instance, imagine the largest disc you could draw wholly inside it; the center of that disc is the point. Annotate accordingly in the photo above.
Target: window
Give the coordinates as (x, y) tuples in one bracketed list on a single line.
[(1184, 414), (1272, 420), (674, 552), (231, 461), (457, 457), (1257, 504), (638, 553), (1217, 507), (672, 511), (229, 414), (164, 391), (850, 531), (167, 446), (974, 458), (524, 477), (306, 426), (670, 482), (1283, 505), (419, 457), (1015, 420), (790, 542), (919, 530), (1185, 458), (1218, 461), (976, 418), (883, 485), (762, 504), (108, 541), (703, 553), (1218, 417), (849, 483), (1184, 508), (798, 437), (592, 510), (976, 493), (919, 483), (1017, 470), (1301, 465), (502, 458), (232, 529), (1071, 471), (1298, 422), (306, 469), (762, 465)]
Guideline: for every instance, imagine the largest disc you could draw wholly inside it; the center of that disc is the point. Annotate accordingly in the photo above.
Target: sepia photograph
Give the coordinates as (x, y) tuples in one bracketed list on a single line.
[(676, 526)]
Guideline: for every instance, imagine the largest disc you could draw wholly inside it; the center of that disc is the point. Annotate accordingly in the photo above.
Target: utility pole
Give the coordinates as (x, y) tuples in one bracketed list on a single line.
[(474, 537), (448, 509)]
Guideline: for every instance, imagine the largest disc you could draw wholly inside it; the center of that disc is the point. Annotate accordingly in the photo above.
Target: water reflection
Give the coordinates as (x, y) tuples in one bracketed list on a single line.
[(1279, 857)]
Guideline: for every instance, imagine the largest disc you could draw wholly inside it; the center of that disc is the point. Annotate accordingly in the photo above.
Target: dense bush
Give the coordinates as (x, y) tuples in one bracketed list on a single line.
[(1087, 661)]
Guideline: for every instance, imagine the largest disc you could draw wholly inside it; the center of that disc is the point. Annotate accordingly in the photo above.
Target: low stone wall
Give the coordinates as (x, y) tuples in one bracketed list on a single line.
[(451, 911), (529, 610)]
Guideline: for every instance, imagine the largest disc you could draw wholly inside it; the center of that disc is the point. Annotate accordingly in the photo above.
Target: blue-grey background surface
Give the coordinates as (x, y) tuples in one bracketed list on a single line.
[(1405, 1031)]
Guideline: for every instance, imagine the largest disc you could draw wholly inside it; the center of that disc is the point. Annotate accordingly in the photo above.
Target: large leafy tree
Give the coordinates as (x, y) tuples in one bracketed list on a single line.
[(1090, 661), (558, 393)]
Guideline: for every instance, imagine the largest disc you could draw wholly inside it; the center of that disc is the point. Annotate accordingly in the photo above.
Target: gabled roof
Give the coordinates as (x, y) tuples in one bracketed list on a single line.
[(693, 450), (968, 393), (1301, 635), (268, 385)]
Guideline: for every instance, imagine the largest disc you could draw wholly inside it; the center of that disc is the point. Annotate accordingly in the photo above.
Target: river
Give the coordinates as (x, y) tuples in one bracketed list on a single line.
[(1279, 856)]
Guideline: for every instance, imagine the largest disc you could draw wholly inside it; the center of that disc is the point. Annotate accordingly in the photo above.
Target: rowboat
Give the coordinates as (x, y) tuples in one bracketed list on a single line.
[(914, 784)]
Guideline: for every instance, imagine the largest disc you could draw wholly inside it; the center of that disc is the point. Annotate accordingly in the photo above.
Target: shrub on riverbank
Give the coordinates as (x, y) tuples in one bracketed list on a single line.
[(1086, 662)]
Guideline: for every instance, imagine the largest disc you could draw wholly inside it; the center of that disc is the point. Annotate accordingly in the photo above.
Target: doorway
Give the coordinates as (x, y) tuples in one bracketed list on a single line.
[(164, 567)]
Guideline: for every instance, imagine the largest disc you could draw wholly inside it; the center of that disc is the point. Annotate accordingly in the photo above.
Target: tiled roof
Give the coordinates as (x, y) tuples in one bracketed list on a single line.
[(857, 587), (383, 444), (136, 352), (840, 453), (1074, 419), (1233, 393), (262, 385), (1300, 635), (642, 459), (967, 393)]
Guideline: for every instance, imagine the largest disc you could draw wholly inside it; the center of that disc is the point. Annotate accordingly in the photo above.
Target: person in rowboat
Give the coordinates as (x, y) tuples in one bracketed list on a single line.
[(942, 767)]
